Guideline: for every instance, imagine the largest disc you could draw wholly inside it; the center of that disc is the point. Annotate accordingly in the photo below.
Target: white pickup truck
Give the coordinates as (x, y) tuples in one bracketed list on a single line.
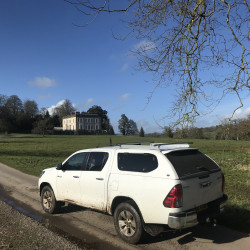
[(147, 188)]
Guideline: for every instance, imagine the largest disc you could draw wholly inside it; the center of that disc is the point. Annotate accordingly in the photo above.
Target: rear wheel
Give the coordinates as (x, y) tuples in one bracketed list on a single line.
[(128, 223), (48, 200)]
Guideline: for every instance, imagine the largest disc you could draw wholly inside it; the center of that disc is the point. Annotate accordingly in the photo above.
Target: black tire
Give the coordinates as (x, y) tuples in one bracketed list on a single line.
[(48, 200), (128, 222)]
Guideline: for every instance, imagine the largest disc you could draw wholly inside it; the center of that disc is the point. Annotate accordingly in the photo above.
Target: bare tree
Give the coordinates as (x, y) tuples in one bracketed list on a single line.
[(30, 108), (66, 108), (14, 105), (190, 44)]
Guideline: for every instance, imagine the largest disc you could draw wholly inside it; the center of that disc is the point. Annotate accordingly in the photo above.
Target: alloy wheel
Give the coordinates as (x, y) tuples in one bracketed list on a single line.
[(127, 223)]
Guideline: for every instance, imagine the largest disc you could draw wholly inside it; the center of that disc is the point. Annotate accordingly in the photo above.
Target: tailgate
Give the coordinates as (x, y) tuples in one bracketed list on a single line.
[(201, 190), (201, 177)]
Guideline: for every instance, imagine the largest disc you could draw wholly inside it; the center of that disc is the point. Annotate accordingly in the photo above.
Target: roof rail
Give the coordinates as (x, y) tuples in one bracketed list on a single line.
[(165, 144), (152, 145), (135, 143)]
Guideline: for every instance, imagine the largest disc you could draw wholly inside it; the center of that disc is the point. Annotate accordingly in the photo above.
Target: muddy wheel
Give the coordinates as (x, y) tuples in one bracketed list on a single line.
[(48, 200), (128, 223)]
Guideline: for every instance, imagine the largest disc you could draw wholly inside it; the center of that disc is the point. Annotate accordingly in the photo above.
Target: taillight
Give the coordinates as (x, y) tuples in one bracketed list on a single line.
[(174, 197), (223, 182)]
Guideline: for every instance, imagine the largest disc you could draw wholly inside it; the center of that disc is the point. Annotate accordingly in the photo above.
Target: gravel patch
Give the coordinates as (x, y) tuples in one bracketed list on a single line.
[(18, 231)]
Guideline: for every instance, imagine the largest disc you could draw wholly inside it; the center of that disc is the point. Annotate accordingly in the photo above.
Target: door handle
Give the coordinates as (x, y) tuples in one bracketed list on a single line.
[(100, 179), (75, 176), (205, 184), (59, 176)]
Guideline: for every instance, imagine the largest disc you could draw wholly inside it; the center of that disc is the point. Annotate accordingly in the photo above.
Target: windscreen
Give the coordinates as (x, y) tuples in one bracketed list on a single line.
[(189, 163)]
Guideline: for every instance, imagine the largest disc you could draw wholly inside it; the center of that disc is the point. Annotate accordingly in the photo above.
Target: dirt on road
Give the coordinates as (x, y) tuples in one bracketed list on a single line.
[(18, 231), (93, 230)]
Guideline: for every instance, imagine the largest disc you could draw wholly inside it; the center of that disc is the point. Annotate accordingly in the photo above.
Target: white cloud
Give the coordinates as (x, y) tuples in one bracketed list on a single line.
[(240, 113), (43, 82), (119, 107), (144, 46), (124, 67), (88, 102), (125, 96), (51, 109), (45, 96), (216, 119), (148, 127)]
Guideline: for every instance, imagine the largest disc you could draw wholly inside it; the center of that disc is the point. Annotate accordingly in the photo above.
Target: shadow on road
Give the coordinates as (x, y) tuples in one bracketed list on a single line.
[(216, 234), (70, 208)]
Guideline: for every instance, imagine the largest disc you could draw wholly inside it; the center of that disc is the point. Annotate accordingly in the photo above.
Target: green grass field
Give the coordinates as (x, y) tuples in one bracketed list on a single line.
[(32, 153)]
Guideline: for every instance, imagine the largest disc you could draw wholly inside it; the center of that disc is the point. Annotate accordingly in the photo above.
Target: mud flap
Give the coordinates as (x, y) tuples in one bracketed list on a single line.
[(153, 229)]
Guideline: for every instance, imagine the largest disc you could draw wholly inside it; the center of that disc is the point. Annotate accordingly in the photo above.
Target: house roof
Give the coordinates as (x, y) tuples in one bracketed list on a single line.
[(82, 115)]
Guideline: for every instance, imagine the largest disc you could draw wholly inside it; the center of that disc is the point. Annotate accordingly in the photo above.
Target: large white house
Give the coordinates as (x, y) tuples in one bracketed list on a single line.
[(81, 121)]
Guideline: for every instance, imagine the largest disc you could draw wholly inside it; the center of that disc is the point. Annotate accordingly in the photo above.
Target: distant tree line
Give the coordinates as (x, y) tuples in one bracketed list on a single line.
[(235, 130), (17, 116)]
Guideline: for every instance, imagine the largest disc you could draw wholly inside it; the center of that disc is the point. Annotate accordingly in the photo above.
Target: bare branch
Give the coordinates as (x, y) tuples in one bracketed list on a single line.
[(188, 44)]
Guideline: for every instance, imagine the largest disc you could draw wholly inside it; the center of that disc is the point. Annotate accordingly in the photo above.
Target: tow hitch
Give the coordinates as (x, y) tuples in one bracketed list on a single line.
[(212, 221)]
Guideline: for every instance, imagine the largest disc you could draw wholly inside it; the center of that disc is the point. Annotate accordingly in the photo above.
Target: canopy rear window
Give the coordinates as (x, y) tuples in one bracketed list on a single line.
[(191, 163), (143, 163)]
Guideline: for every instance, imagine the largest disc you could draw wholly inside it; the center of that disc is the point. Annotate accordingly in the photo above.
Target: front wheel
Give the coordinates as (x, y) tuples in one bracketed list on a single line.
[(48, 200), (128, 223)]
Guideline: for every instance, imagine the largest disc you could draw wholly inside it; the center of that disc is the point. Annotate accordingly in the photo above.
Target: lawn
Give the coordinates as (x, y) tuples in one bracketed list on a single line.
[(32, 153)]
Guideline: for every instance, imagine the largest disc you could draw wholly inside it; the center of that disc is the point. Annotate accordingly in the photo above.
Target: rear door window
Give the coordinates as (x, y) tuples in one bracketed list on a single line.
[(191, 163), (97, 161), (137, 162)]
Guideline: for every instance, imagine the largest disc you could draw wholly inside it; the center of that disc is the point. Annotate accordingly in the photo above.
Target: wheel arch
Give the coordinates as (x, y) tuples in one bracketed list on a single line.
[(120, 199), (42, 185)]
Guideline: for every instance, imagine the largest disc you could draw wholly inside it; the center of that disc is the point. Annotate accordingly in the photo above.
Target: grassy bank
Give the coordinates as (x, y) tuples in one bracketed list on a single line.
[(31, 154)]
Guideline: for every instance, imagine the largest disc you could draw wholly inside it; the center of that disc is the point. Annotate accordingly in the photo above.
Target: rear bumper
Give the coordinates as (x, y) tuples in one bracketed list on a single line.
[(192, 218), (182, 220)]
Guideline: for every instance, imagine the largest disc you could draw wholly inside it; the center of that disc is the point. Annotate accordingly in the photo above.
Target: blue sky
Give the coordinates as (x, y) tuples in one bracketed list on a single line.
[(46, 58)]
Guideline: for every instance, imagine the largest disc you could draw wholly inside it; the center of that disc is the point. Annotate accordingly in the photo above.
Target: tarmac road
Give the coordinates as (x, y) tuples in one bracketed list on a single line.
[(96, 230)]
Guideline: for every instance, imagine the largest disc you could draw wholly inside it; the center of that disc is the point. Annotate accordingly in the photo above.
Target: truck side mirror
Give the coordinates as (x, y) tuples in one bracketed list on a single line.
[(59, 166)]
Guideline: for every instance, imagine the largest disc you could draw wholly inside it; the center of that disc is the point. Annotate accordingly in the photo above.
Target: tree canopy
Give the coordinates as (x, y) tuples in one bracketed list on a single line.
[(95, 109), (30, 108), (66, 108), (98, 110), (16, 115), (196, 46), (127, 126), (141, 133)]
